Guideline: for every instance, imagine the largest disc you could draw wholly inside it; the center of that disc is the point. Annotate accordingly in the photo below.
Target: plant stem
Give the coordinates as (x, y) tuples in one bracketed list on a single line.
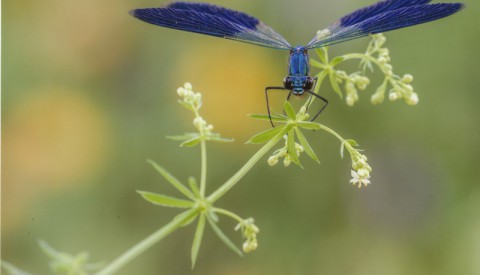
[(140, 247), (361, 56), (203, 172), (244, 170), (228, 213), (325, 128)]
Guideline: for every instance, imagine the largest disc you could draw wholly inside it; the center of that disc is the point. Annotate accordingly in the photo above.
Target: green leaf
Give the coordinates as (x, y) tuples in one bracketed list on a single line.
[(197, 239), (275, 118), (352, 142), (223, 237), (309, 125), (334, 84), (191, 142), (186, 136), (337, 60), (321, 76), (13, 270), (317, 64), (291, 147), (220, 139), (187, 105), (321, 54), (172, 180), (267, 135), (188, 216), (342, 149), (165, 200), (47, 249), (192, 182), (289, 111), (308, 149)]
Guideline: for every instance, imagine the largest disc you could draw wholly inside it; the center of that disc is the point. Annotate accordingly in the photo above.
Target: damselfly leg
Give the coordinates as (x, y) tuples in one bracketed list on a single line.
[(268, 105)]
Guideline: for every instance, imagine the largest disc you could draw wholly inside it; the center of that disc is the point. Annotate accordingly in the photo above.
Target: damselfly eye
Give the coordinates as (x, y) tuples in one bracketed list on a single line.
[(288, 83), (307, 84)]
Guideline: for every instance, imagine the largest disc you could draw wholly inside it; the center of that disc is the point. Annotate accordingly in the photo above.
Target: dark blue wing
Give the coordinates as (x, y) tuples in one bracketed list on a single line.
[(377, 8), (355, 26), (213, 20)]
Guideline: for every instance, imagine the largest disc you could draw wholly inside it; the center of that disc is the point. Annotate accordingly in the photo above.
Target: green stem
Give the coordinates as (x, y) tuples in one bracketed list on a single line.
[(326, 129), (244, 170), (361, 56), (203, 172), (346, 144), (228, 213), (140, 247)]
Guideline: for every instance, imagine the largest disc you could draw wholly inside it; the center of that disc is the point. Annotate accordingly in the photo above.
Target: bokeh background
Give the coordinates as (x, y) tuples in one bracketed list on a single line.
[(88, 94)]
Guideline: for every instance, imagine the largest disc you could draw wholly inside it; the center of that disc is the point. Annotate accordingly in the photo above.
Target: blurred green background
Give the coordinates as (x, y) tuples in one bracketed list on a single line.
[(88, 94)]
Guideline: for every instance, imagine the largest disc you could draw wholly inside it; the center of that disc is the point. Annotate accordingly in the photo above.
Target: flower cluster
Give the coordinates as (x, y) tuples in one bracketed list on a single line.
[(202, 126), (361, 170), (401, 87), (249, 231), (283, 153), (193, 102), (375, 54), (190, 99)]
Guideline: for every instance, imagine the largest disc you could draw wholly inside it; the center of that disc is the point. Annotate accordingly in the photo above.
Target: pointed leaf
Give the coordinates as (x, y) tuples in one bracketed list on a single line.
[(275, 118), (12, 270), (191, 142), (47, 249), (335, 86), (172, 180), (342, 149), (166, 200), (192, 182), (316, 63), (337, 60), (289, 111), (220, 139), (306, 145), (197, 239), (321, 54), (320, 77), (267, 135), (352, 142), (187, 136), (224, 237), (309, 125), (291, 147)]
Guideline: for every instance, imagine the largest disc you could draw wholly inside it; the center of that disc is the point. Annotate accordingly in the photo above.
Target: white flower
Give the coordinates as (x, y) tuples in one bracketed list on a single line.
[(362, 178), (272, 160), (413, 100)]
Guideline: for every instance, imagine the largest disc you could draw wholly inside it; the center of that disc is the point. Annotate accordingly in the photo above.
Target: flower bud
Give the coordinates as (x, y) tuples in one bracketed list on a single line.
[(378, 96), (350, 100), (287, 161), (408, 78), (393, 96), (272, 160), (181, 92), (188, 86), (413, 100)]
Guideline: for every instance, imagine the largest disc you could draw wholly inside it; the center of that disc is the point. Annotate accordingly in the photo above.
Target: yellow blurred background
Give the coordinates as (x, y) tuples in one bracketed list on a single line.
[(88, 94)]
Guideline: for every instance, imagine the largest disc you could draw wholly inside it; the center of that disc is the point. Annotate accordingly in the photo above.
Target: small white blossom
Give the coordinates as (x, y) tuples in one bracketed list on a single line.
[(360, 180), (393, 96), (273, 160), (413, 99), (408, 78)]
